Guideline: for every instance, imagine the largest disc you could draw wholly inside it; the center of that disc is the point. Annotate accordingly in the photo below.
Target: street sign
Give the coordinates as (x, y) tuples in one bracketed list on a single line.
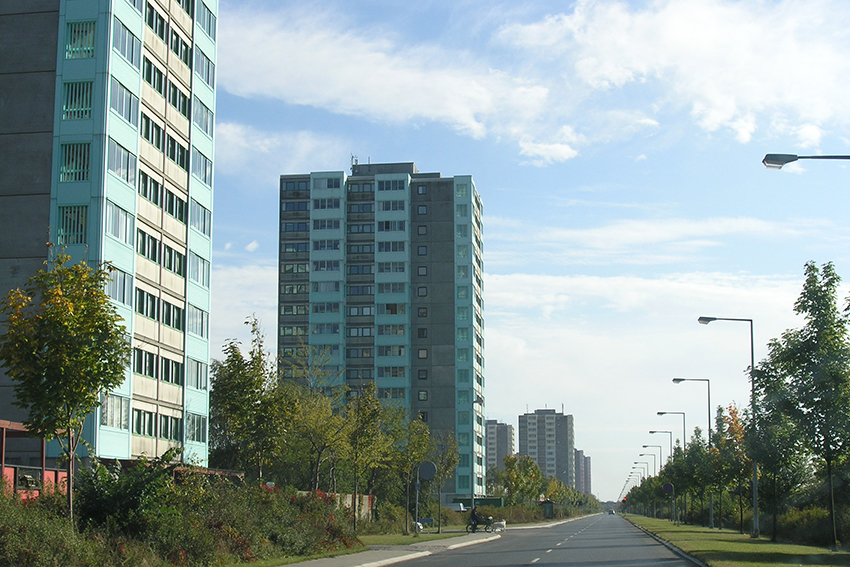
[(667, 488), (427, 470)]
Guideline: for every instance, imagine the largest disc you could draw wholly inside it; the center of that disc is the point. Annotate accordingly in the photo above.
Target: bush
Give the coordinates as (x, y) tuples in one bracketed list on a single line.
[(809, 525)]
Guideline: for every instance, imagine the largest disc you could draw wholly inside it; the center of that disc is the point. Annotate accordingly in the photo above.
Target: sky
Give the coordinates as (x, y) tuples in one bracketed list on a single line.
[(617, 147)]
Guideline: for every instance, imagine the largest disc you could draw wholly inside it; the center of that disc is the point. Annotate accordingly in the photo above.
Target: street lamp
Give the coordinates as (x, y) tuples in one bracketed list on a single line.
[(644, 463), (670, 433), (654, 464), (707, 383), (776, 161), (660, 456), (684, 429), (706, 321)]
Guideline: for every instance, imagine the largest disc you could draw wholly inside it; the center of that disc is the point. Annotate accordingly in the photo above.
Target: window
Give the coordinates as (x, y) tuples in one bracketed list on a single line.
[(325, 307), (391, 372), (325, 287), (178, 99), (422, 209), (463, 313), (326, 245), (73, 223), (391, 287), (463, 355), (295, 247), (326, 204), (463, 418), (156, 22), (462, 230), (463, 375), (143, 422), (360, 311), (325, 265), (200, 218), (394, 246), (360, 290), (294, 227), (391, 393), (463, 397), (422, 189), (422, 312), (390, 350), (462, 334), (121, 162), (147, 246), (422, 250), (115, 411), (119, 223), (423, 416), (359, 331), (174, 206), (147, 304), (462, 272), (176, 152), (293, 330), (391, 329), (206, 19), (422, 333), (422, 373), (180, 48), (153, 76), (463, 251), (325, 224), (196, 428), (391, 309), (169, 428), (326, 328), (199, 321), (361, 228), (390, 267), (422, 291), (173, 261), (422, 271), (290, 206), (186, 5), (361, 208), (422, 395), (392, 205), (75, 162), (360, 188), (462, 211), (79, 40), (204, 68), (126, 43), (122, 101), (422, 353), (199, 270), (393, 185), (294, 309), (152, 132), (76, 100), (358, 353), (463, 292), (391, 226), (120, 287), (202, 167), (203, 117), (461, 190), (361, 248), (145, 363), (172, 371), (357, 269), (422, 229), (196, 374)]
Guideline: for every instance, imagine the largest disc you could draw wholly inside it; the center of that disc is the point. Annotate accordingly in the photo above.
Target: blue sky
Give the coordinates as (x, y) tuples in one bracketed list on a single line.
[(617, 147)]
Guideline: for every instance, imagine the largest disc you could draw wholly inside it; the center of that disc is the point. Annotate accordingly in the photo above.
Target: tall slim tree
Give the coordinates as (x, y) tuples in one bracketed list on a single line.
[(63, 346), (814, 362)]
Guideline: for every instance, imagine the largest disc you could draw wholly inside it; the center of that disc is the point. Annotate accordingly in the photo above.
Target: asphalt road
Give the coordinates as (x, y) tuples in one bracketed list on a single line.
[(593, 541)]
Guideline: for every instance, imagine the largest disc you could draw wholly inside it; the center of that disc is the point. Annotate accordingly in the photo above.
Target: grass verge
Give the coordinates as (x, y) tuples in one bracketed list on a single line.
[(399, 539), (277, 562), (732, 549)]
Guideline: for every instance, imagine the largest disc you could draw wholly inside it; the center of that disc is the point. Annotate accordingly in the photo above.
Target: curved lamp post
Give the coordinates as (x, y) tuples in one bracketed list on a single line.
[(711, 494), (684, 428), (660, 456), (776, 161), (706, 321), (670, 433), (654, 464)]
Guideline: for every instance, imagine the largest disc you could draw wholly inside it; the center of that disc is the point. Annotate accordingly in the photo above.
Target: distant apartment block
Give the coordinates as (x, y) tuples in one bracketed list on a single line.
[(582, 468), (500, 443), (382, 270), (106, 141), (548, 438)]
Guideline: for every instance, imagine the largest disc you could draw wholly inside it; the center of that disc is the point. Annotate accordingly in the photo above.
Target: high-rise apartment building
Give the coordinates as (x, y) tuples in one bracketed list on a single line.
[(582, 468), (548, 438), (500, 443), (381, 270), (106, 140)]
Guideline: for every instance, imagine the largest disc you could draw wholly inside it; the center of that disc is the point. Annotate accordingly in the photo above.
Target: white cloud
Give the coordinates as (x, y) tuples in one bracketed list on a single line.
[(238, 293), (735, 63), (253, 245), (257, 156)]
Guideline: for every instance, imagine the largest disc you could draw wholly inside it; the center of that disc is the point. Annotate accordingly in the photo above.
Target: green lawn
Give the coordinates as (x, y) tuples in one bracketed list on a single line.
[(399, 539), (728, 548)]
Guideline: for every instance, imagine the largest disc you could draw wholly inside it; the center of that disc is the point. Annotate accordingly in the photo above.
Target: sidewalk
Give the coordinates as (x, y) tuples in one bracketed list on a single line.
[(380, 555)]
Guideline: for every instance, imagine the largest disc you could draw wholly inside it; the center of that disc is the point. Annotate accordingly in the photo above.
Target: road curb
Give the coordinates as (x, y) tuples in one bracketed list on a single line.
[(668, 545), (473, 542), (392, 560)]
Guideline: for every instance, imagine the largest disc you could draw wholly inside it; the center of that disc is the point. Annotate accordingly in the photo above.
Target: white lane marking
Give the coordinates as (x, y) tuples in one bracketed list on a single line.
[(548, 551), (535, 560)]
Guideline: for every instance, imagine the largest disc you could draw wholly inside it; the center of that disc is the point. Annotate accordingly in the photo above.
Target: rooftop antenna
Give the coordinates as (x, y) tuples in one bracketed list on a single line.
[(354, 162)]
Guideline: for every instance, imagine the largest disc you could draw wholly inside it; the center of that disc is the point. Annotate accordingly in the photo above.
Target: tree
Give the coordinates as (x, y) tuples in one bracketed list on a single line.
[(521, 480), (446, 456), (249, 408), (814, 364), (63, 346)]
